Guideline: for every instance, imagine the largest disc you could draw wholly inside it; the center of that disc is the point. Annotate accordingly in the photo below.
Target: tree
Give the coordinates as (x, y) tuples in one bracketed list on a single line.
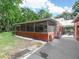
[(44, 14), (28, 14), (9, 13), (76, 6), (66, 15)]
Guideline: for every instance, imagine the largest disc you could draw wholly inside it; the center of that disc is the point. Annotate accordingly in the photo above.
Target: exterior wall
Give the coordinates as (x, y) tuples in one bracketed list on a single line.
[(35, 35), (77, 30), (59, 30), (51, 36), (51, 27)]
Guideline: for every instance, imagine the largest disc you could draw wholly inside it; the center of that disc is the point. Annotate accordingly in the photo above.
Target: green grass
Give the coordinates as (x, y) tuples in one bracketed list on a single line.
[(10, 44), (6, 38), (6, 43)]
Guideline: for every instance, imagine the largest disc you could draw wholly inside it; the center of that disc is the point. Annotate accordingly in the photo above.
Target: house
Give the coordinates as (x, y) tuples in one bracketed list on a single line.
[(66, 24), (59, 30), (76, 27), (43, 29)]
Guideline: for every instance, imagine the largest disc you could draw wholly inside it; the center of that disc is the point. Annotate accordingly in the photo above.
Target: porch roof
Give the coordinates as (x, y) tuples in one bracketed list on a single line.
[(35, 21)]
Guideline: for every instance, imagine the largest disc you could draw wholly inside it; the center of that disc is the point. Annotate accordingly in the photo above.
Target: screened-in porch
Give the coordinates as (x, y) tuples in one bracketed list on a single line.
[(42, 27), (39, 29)]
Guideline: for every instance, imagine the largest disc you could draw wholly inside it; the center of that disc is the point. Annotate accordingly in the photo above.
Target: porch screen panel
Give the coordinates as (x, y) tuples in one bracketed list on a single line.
[(18, 28), (30, 27), (41, 27), (22, 27)]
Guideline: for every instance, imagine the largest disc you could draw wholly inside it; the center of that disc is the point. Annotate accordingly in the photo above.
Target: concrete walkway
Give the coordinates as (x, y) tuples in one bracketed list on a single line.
[(64, 48)]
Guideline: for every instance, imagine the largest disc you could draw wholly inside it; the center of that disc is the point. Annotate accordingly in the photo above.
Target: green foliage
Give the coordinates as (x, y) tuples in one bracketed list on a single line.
[(44, 14), (9, 13), (28, 14), (66, 15), (76, 6)]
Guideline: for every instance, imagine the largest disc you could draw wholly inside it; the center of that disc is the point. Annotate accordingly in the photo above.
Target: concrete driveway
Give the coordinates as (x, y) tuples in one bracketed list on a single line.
[(64, 48)]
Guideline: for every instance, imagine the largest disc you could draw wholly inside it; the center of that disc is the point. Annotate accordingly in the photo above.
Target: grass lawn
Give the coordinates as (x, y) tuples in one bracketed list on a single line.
[(9, 44)]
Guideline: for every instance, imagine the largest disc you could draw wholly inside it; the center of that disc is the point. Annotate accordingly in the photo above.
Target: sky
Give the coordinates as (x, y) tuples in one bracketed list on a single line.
[(62, 3), (55, 7)]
